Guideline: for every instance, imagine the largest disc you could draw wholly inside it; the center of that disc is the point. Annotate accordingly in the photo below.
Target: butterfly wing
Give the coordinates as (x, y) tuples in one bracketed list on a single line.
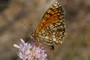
[(52, 26)]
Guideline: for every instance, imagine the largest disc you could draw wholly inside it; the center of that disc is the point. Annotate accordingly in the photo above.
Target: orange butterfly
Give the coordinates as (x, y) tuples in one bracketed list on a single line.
[(52, 27)]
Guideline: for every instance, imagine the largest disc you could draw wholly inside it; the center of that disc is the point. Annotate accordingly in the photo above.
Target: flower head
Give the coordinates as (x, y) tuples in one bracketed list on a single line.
[(29, 51)]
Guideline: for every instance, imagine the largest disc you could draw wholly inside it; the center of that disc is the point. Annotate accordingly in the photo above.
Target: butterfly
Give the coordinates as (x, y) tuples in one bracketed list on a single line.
[(52, 27)]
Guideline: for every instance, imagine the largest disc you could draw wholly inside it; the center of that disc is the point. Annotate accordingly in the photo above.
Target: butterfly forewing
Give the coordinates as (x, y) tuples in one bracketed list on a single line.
[(52, 26)]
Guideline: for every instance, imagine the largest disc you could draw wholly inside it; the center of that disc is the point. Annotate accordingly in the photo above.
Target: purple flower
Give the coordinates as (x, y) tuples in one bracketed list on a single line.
[(29, 51)]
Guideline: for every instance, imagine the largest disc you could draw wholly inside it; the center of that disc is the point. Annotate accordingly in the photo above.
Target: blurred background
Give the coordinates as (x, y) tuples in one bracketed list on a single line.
[(17, 17)]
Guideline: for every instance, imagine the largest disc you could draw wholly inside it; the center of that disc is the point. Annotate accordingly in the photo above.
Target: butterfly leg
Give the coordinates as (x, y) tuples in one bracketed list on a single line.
[(50, 44)]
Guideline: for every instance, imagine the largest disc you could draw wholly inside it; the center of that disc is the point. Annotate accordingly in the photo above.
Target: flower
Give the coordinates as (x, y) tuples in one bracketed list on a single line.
[(29, 51)]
